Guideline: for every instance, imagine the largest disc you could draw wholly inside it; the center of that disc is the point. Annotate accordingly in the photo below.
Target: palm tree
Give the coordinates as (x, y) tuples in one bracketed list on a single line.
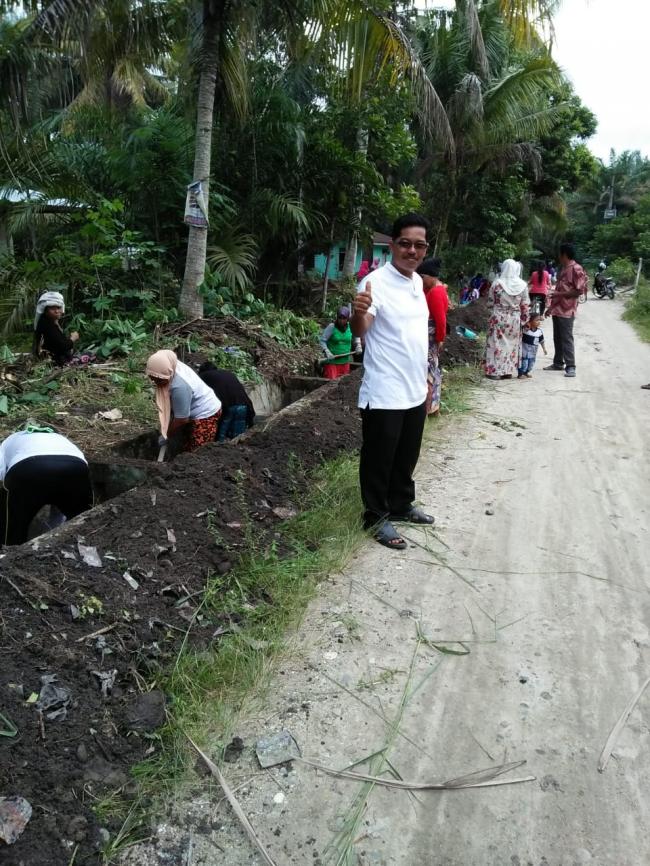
[(529, 20), (93, 52), (365, 42), (619, 184), (109, 48), (496, 101)]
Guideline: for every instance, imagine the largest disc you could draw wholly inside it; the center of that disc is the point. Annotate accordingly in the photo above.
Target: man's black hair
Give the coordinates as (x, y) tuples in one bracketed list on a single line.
[(408, 220), (205, 366), (430, 268), (568, 250)]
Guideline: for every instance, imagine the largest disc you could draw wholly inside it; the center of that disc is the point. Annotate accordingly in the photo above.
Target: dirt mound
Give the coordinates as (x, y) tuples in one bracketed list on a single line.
[(271, 359), (102, 630), (459, 350), (77, 395)]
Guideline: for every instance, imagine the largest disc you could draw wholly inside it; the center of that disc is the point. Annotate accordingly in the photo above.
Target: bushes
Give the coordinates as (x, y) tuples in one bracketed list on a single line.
[(106, 272), (638, 310), (623, 271)]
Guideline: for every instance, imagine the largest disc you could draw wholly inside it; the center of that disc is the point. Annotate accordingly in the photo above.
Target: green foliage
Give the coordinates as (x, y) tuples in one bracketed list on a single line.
[(625, 180), (351, 119), (515, 123), (238, 360), (41, 394), (101, 266), (288, 329), (638, 310), (221, 300), (622, 271), (233, 260), (626, 236), (114, 336), (284, 326)]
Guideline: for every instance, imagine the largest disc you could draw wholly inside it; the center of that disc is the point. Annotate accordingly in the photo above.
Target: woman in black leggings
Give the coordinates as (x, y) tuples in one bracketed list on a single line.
[(40, 467)]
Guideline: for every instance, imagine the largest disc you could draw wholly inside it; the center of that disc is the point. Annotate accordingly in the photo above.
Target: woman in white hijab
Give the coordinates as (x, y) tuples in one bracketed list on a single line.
[(510, 306), (49, 337), (48, 334)]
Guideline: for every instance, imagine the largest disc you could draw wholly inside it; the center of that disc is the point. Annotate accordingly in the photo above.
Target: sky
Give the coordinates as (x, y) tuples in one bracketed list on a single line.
[(602, 45)]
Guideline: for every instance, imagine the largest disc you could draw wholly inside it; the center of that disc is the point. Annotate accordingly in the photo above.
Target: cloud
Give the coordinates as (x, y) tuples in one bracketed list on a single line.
[(603, 48)]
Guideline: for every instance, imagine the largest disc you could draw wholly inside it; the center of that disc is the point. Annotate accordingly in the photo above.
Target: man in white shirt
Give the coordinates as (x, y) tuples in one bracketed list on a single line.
[(391, 312), (40, 467)]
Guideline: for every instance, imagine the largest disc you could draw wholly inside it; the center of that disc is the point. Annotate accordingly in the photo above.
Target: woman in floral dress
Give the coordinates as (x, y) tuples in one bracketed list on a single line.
[(510, 305)]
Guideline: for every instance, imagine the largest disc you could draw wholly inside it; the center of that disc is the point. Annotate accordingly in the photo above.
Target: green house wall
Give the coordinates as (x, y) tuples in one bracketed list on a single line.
[(336, 259)]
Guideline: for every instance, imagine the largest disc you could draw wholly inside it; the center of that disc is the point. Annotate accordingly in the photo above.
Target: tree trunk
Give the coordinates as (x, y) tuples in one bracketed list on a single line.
[(6, 240), (300, 239), (350, 255), (350, 259), (191, 302), (328, 260)]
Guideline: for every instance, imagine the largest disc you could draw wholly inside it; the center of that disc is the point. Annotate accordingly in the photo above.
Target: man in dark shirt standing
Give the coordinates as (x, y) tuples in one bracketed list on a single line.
[(563, 306), (237, 409)]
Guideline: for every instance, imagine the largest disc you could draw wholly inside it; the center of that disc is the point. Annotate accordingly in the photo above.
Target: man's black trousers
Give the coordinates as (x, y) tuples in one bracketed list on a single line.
[(563, 341), (389, 454), (30, 484)]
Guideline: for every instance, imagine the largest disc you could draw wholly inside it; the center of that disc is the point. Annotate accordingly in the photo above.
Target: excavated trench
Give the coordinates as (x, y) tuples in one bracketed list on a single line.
[(128, 464), (107, 627), (132, 462)]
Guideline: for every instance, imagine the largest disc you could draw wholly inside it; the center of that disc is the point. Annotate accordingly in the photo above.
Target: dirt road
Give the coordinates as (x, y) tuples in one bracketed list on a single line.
[(538, 572)]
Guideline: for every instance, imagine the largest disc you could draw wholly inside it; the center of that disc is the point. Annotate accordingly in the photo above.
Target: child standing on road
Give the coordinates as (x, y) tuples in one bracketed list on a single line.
[(531, 338)]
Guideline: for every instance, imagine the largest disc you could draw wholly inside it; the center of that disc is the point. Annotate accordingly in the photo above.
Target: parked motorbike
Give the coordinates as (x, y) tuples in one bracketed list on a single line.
[(604, 287)]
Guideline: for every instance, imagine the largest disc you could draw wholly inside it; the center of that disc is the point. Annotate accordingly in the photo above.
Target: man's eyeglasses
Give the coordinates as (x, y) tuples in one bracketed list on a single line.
[(403, 244)]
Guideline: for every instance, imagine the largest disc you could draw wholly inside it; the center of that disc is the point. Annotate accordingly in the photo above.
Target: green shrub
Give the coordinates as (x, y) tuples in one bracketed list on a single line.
[(638, 310), (623, 271)]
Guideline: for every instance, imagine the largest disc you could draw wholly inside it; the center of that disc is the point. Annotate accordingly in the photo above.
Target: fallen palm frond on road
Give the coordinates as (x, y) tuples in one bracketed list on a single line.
[(234, 803), (606, 753), (486, 778)]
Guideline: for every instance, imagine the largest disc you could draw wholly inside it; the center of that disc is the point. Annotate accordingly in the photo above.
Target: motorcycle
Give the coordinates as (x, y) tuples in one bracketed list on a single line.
[(604, 287)]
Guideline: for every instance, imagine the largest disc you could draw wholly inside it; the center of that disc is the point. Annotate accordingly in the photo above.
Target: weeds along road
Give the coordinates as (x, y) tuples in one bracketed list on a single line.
[(518, 632)]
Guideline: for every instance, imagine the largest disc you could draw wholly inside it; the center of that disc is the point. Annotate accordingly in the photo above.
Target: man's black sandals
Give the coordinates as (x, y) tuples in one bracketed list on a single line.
[(386, 534), (414, 515)]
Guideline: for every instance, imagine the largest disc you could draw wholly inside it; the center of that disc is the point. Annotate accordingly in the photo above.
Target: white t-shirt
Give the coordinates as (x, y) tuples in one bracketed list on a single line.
[(397, 342), (190, 396), (19, 446)]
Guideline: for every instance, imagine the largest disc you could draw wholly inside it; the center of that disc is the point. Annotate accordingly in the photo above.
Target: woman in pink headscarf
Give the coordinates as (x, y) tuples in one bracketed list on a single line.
[(184, 401)]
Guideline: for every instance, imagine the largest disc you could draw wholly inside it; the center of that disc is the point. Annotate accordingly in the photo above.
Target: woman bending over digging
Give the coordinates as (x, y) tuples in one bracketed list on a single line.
[(40, 467), (185, 403)]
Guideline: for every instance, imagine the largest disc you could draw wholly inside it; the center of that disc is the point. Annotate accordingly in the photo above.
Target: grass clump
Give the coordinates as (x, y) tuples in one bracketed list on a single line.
[(256, 603), (638, 310), (457, 386), (251, 609)]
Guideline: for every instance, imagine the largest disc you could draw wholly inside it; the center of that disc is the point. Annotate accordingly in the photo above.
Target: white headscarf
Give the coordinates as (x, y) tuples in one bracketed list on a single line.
[(48, 299), (510, 278)]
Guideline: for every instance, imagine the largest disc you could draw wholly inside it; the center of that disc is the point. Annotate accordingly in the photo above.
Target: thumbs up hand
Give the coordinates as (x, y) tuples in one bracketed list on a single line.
[(363, 301)]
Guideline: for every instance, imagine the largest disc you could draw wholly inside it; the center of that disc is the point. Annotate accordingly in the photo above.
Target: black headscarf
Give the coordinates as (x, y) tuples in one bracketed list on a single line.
[(430, 268)]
